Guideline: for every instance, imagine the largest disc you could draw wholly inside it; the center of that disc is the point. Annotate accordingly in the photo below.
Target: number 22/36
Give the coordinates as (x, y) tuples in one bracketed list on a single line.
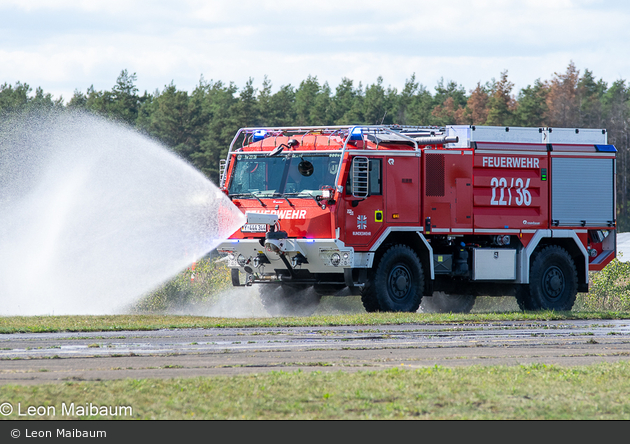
[(523, 196)]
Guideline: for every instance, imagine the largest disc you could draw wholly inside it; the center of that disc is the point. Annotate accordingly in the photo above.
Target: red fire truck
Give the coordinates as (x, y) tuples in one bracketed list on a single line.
[(397, 214)]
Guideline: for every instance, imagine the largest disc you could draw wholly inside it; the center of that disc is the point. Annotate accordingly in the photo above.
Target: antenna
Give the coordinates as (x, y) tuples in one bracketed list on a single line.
[(383, 119)]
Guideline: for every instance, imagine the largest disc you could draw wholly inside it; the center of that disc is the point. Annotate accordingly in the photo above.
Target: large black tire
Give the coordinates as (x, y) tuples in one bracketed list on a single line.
[(553, 281), (441, 302), (368, 299), (524, 298), (283, 300), (397, 283)]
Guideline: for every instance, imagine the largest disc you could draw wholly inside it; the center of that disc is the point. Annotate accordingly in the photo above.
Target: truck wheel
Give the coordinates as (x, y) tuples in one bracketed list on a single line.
[(553, 280), (398, 282), (441, 302), (524, 298), (283, 300), (369, 299)]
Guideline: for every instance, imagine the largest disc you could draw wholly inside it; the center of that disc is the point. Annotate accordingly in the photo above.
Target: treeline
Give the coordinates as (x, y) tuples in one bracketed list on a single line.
[(200, 125)]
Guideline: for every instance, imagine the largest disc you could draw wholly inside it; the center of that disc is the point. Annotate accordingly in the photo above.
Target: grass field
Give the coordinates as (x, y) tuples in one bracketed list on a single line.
[(476, 392)]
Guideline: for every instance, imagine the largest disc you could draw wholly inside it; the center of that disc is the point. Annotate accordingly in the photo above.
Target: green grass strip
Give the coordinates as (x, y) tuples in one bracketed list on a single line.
[(39, 324), (538, 391)]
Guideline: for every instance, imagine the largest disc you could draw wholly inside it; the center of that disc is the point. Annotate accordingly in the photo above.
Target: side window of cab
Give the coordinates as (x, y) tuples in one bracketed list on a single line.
[(375, 179)]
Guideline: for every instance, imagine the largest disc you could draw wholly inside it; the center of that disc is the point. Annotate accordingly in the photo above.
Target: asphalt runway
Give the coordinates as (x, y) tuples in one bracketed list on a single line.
[(59, 357)]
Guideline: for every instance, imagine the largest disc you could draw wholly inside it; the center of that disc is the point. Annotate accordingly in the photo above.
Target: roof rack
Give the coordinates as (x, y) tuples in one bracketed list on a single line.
[(451, 136), (515, 134), (345, 132)]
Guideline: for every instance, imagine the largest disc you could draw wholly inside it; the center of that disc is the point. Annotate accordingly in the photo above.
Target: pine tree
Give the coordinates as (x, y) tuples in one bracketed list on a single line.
[(562, 99), (305, 98), (78, 100), (589, 95), (321, 112), (501, 104), (14, 98), (376, 105), (419, 111), (220, 105), (246, 109), (476, 111), (125, 101), (346, 104), (616, 105), (449, 101), (283, 104), (170, 120), (405, 100), (531, 107)]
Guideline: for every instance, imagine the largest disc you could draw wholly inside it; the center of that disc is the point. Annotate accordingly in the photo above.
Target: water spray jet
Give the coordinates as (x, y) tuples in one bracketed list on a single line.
[(96, 215)]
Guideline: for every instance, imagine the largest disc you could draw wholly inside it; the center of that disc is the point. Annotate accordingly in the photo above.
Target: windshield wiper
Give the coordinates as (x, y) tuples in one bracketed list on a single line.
[(283, 197), (302, 193), (249, 195)]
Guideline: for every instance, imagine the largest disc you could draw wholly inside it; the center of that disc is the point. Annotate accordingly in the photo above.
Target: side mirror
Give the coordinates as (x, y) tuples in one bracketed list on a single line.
[(360, 173)]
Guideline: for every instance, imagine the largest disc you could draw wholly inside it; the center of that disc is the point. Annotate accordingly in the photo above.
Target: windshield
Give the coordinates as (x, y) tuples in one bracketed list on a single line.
[(292, 174)]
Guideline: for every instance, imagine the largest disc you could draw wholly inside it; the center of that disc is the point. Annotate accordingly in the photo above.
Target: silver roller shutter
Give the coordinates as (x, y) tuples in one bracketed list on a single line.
[(582, 191)]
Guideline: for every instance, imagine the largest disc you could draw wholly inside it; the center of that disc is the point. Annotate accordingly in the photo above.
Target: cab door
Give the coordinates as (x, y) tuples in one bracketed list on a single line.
[(364, 216), (403, 182)]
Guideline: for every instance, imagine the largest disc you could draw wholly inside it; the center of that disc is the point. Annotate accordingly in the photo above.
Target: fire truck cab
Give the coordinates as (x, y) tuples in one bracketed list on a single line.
[(397, 214)]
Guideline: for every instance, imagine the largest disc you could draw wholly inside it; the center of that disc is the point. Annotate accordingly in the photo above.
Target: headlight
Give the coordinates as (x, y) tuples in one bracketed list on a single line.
[(240, 260), (273, 248), (335, 259)]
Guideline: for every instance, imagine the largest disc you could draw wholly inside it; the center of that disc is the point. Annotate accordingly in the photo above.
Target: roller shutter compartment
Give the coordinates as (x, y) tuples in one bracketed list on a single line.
[(582, 192)]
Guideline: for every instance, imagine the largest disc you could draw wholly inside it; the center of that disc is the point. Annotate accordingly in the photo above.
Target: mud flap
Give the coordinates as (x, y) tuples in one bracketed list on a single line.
[(349, 277), (236, 281)]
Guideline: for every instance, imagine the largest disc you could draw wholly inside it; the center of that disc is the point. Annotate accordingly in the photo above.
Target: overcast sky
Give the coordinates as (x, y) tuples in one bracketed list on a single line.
[(63, 45)]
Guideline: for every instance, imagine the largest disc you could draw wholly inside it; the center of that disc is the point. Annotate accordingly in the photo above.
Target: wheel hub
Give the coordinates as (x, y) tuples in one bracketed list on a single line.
[(400, 281), (553, 282)]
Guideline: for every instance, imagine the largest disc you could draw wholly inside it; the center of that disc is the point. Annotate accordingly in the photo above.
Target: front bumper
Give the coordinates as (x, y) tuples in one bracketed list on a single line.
[(315, 256)]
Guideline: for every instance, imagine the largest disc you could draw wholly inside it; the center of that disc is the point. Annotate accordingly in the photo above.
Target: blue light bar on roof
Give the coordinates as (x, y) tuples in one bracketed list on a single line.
[(356, 133), (259, 135), (606, 148)]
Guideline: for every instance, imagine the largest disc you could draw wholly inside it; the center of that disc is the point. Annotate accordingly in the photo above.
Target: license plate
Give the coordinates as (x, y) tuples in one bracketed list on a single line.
[(254, 228)]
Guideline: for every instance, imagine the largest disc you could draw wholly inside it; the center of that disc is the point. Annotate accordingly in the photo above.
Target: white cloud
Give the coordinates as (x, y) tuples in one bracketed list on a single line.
[(70, 44)]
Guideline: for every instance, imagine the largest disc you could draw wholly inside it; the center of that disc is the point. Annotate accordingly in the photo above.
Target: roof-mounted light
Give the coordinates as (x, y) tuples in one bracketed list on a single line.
[(356, 133), (259, 135)]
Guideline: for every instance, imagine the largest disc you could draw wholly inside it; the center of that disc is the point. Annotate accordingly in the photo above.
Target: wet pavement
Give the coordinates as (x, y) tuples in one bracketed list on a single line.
[(48, 357)]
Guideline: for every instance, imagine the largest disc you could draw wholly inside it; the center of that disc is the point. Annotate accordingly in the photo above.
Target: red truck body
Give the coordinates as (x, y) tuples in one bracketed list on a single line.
[(401, 213)]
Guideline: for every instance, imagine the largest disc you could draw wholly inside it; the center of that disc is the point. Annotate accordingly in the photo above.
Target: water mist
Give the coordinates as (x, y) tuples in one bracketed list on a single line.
[(94, 215)]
